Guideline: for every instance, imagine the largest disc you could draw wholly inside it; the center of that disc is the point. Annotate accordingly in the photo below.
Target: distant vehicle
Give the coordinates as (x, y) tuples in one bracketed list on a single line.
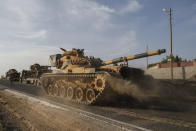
[(13, 75), (84, 80), (3, 77), (32, 76)]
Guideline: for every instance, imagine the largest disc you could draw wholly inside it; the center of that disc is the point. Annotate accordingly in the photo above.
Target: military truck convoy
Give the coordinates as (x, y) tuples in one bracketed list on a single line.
[(30, 76), (80, 78)]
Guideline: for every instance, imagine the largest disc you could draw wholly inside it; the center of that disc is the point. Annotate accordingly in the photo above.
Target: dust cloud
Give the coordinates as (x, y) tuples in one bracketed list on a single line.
[(147, 89), (142, 91)]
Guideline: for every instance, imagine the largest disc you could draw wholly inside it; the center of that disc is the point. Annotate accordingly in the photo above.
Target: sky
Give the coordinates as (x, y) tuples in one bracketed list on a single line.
[(31, 30)]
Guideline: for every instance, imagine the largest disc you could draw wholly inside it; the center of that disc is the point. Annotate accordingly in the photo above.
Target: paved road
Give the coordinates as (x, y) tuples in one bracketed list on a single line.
[(161, 117)]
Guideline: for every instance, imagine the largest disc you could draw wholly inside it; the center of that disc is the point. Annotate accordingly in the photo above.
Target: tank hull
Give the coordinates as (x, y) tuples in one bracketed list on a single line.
[(83, 88)]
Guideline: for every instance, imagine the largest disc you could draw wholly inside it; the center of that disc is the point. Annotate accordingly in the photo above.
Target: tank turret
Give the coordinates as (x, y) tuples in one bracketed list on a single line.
[(74, 61)]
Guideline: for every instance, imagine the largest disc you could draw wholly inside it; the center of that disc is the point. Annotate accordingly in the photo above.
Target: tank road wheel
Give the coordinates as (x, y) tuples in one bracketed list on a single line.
[(90, 95), (50, 90), (56, 89), (62, 91), (79, 94), (44, 82), (70, 93), (99, 83)]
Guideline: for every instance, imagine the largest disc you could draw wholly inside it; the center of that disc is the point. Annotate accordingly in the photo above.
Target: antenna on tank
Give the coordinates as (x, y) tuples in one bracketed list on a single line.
[(147, 57), (63, 49)]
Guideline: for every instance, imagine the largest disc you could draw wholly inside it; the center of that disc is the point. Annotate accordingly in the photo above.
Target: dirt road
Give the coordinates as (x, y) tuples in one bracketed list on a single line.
[(25, 107)]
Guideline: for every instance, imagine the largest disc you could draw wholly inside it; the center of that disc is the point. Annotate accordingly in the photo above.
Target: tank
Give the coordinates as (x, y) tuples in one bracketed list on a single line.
[(84, 79), (12, 75), (32, 75)]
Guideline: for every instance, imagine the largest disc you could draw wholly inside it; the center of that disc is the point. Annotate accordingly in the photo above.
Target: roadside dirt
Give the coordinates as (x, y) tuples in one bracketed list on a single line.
[(25, 114), (10, 119)]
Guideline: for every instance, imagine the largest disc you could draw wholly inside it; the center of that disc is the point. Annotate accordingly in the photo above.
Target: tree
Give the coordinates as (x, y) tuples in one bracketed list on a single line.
[(175, 59), (167, 60)]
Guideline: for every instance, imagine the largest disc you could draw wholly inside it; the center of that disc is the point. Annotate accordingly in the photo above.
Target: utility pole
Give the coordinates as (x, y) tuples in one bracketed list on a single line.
[(171, 52)]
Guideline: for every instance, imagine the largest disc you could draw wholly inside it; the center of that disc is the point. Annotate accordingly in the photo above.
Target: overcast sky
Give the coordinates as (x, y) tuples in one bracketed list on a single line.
[(31, 30)]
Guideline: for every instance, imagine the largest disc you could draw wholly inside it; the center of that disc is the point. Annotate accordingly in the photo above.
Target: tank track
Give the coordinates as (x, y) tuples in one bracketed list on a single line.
[(60, 84)]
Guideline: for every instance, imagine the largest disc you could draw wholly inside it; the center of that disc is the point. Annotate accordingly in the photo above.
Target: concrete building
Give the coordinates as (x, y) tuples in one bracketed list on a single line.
[(181, 70)]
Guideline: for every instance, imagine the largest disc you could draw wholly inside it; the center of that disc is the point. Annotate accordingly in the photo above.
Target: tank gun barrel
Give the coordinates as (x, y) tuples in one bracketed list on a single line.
[(137, 56)]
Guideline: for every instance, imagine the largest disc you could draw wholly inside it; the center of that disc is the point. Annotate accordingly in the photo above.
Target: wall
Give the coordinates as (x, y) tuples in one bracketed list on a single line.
[(177, 64), (179, 72)]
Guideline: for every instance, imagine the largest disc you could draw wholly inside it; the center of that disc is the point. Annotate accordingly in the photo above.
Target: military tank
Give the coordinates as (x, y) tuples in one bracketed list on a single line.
[(12, 75), (84, 79), (32, 76)]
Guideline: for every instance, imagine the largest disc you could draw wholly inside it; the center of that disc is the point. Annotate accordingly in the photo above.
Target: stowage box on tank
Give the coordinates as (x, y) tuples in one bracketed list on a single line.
[(83, 79)]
